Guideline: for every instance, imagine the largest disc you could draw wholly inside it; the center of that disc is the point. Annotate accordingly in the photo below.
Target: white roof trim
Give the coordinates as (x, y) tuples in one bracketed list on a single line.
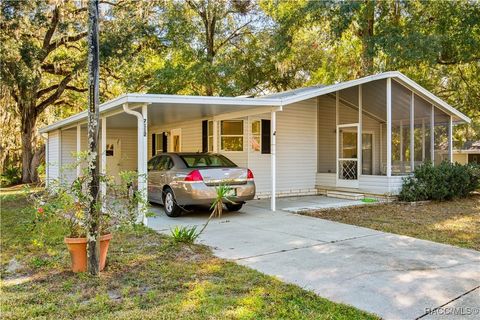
[(274, 102)]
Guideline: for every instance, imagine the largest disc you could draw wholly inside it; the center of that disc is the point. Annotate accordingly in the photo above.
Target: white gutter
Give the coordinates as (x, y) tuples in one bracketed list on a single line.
[(141, 159)]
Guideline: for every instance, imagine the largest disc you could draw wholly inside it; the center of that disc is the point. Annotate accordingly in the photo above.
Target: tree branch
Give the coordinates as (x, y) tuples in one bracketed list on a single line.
[(46, 90), (64, 40), (53, 27), (52, 69), (73, 88), (54, 96), (234, 34)]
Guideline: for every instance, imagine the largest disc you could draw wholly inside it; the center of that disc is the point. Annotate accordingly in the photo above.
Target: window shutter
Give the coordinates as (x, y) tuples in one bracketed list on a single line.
[(154, 145), (164, 142), (205, 136), (266, 136)]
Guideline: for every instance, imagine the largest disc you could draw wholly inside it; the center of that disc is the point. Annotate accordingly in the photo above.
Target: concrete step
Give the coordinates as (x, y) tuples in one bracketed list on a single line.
[(345, 195)]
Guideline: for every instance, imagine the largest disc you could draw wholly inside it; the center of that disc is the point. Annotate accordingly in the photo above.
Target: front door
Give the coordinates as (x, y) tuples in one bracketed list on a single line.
[(347, 156), (175, 140), (113, 155)]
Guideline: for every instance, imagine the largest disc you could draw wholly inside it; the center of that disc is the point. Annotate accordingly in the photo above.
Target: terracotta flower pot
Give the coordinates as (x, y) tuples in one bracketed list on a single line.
[(78, 252)]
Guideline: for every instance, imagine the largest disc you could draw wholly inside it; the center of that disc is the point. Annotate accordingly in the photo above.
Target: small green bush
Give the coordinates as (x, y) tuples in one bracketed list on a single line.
[(184, 234), (10, 176), (442, 182)]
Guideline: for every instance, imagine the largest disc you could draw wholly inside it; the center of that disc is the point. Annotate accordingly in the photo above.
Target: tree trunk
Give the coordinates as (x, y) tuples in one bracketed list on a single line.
[(28, 127), (38, 157), (366, 34), (93, 215)]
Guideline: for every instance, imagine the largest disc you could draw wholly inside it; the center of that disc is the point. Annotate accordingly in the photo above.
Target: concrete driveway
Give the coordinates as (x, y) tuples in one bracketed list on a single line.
[(395, 277)]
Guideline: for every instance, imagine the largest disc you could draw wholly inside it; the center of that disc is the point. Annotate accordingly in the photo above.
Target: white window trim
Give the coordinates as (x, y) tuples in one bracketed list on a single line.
[(232, 135), (210, 147)]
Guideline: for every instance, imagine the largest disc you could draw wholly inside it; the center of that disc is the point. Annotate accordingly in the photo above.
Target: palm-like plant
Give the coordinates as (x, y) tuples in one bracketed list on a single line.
[(222, 195)]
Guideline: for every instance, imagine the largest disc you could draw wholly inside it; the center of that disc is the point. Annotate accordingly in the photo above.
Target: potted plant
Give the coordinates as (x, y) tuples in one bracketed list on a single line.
[(67, 204)]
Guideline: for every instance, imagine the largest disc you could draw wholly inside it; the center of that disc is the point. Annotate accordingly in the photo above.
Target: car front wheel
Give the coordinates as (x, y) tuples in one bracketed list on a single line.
[(170, 205), (234, 206)]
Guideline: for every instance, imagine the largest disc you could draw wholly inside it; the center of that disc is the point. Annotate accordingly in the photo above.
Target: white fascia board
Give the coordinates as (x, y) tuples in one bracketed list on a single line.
[(81, 116), (338, 86), (176, 99), (161, 98)]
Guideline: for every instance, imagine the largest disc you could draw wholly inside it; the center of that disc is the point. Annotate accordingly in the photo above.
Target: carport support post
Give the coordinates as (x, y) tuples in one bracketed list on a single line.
[(412, 132), (432, 135), (79, 149), (103, 155), (273, 150), (450, 139), (389, 127), (144, 190)]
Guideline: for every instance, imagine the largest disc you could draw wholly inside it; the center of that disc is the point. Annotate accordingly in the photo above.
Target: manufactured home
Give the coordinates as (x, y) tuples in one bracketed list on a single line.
[(359, 136)]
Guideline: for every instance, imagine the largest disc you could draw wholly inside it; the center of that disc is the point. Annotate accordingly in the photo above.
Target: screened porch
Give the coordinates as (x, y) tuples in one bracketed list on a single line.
[(373, 134)]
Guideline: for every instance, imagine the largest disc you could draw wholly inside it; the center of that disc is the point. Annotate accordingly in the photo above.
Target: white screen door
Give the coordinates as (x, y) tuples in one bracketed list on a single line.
[(347, 155)]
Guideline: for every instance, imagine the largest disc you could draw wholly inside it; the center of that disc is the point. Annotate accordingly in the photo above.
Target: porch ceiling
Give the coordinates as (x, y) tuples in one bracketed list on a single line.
[(167, 113), (160, 114)]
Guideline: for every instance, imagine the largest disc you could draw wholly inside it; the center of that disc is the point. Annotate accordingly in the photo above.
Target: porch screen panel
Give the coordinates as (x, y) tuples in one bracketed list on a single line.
[(440, 136), (348, 109), (326, 135), (373, 117), (401, 98), (422, 125)]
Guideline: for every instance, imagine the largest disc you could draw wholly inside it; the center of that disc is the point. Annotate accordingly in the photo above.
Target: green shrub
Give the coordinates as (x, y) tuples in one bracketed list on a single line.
[(10, 176), (442, 182), (184, 234)]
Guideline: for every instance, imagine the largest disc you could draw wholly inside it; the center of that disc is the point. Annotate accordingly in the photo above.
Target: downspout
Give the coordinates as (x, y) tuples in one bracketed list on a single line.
[(142, 179)]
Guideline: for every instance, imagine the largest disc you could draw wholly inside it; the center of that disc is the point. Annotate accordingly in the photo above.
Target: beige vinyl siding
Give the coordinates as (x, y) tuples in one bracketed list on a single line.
[(68, 171), (191, 140), (297, 148), (461, 158), (53, 156), (128, 149), (128, 142)]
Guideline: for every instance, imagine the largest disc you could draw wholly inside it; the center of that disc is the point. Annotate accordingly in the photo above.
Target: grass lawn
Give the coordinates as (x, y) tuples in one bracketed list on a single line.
[(147, 277), (454, 222)]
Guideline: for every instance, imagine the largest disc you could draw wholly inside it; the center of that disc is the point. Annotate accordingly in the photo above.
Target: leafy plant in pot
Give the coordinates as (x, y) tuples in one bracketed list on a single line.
[(66, 204)]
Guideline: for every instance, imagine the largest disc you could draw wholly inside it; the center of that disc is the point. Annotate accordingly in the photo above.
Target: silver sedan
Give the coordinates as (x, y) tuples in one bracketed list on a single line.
[(180, 179)]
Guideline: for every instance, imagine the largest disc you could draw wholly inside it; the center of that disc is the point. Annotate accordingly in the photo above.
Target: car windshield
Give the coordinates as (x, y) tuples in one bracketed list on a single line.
[(206, 160)]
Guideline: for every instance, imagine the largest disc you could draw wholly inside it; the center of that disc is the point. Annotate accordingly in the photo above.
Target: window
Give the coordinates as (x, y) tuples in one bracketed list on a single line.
[(210, 136), (160, 163), (153, 163), (232, 135), (110, 150), (255, 143), (202, 160), (160, 143)]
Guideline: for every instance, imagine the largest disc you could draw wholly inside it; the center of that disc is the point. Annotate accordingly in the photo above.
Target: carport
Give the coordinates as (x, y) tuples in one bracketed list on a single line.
[(139, 112)]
